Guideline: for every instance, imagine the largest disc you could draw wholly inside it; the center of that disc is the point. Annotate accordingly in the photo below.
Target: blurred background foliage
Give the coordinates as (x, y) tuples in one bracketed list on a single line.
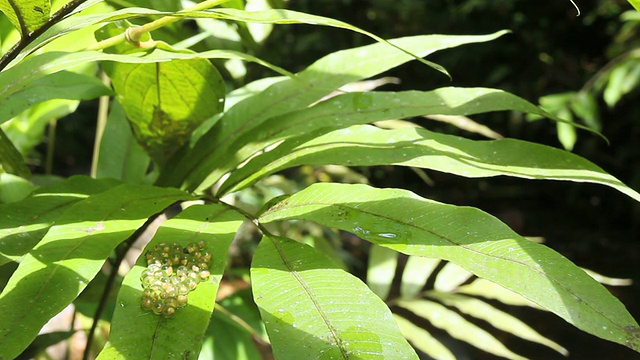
[(584, 68)]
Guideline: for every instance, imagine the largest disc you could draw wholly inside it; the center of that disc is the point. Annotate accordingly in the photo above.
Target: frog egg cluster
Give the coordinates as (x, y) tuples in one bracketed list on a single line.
[(172, 272)]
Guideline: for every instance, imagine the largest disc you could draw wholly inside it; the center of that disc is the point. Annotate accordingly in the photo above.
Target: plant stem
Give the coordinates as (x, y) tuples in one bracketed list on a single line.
[(134, 34), (30, 37), (103, 112), (51, 146)]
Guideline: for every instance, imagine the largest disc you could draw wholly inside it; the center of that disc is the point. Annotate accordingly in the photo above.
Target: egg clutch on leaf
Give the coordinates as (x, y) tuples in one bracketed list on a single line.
[(172, 272)]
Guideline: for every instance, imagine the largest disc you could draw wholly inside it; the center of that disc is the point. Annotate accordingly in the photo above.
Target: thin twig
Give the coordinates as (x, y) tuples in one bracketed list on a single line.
[(30, 37)]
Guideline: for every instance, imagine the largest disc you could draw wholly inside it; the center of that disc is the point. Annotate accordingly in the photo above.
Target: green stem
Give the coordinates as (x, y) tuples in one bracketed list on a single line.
[(134, 34), (103, 112)]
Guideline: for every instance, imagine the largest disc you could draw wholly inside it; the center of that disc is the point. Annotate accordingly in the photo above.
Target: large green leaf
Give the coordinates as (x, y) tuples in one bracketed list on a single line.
[(121, 157), (366, 145), (312, 309), (24, 223), (18, 77), (61, 265), (166, 101), (214, 154), (635, 3), (26, 15), (61, 85), (478, 242), (152, 336), (357, 108)]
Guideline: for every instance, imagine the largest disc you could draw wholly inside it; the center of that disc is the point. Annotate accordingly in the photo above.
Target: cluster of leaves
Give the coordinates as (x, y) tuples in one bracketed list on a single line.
[(206, 144)]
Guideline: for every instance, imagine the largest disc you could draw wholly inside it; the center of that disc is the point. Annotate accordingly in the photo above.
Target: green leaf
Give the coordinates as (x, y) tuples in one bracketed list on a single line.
[(457, 326), (27, 130), (415, 275), (11, 159), (211, 157), (367, 145), (307, 300), (476, 241), (635, 3), (24, 223), (152, 336), (422, 340), (21, 75), (166, 101), (355, 108), (26, 15), (60, 85), (497, 318), (14, 188), (61, 265), (490, 290), (450, 277), (381, 269), (121, 157)]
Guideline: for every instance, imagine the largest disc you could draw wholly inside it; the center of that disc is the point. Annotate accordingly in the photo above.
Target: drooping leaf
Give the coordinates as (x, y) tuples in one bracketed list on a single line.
[(121, 157), (490, 290), (367, 145), (497, 318), (72, 252), (478, 242), (26, 15), (381, 269), (152, 336), (422, 340), (24, 223), (211, 157), (414, 277), (60, 85), (313, 309), (457, 326), (450, 277)]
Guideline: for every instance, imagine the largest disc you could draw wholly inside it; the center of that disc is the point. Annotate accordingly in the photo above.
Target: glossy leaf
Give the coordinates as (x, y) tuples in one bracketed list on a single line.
[(497, 318), (211, 157), (422, 340), (26, 15), (72, 252), (61, 85), (313, 309), (14, 188), (367, 145), (24, 223), (152, 336), (121, 157), (478, 242), (458, 327)]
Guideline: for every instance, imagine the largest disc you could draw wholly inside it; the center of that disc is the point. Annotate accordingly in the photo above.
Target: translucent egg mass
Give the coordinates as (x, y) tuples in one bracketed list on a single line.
[(172, 272)]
